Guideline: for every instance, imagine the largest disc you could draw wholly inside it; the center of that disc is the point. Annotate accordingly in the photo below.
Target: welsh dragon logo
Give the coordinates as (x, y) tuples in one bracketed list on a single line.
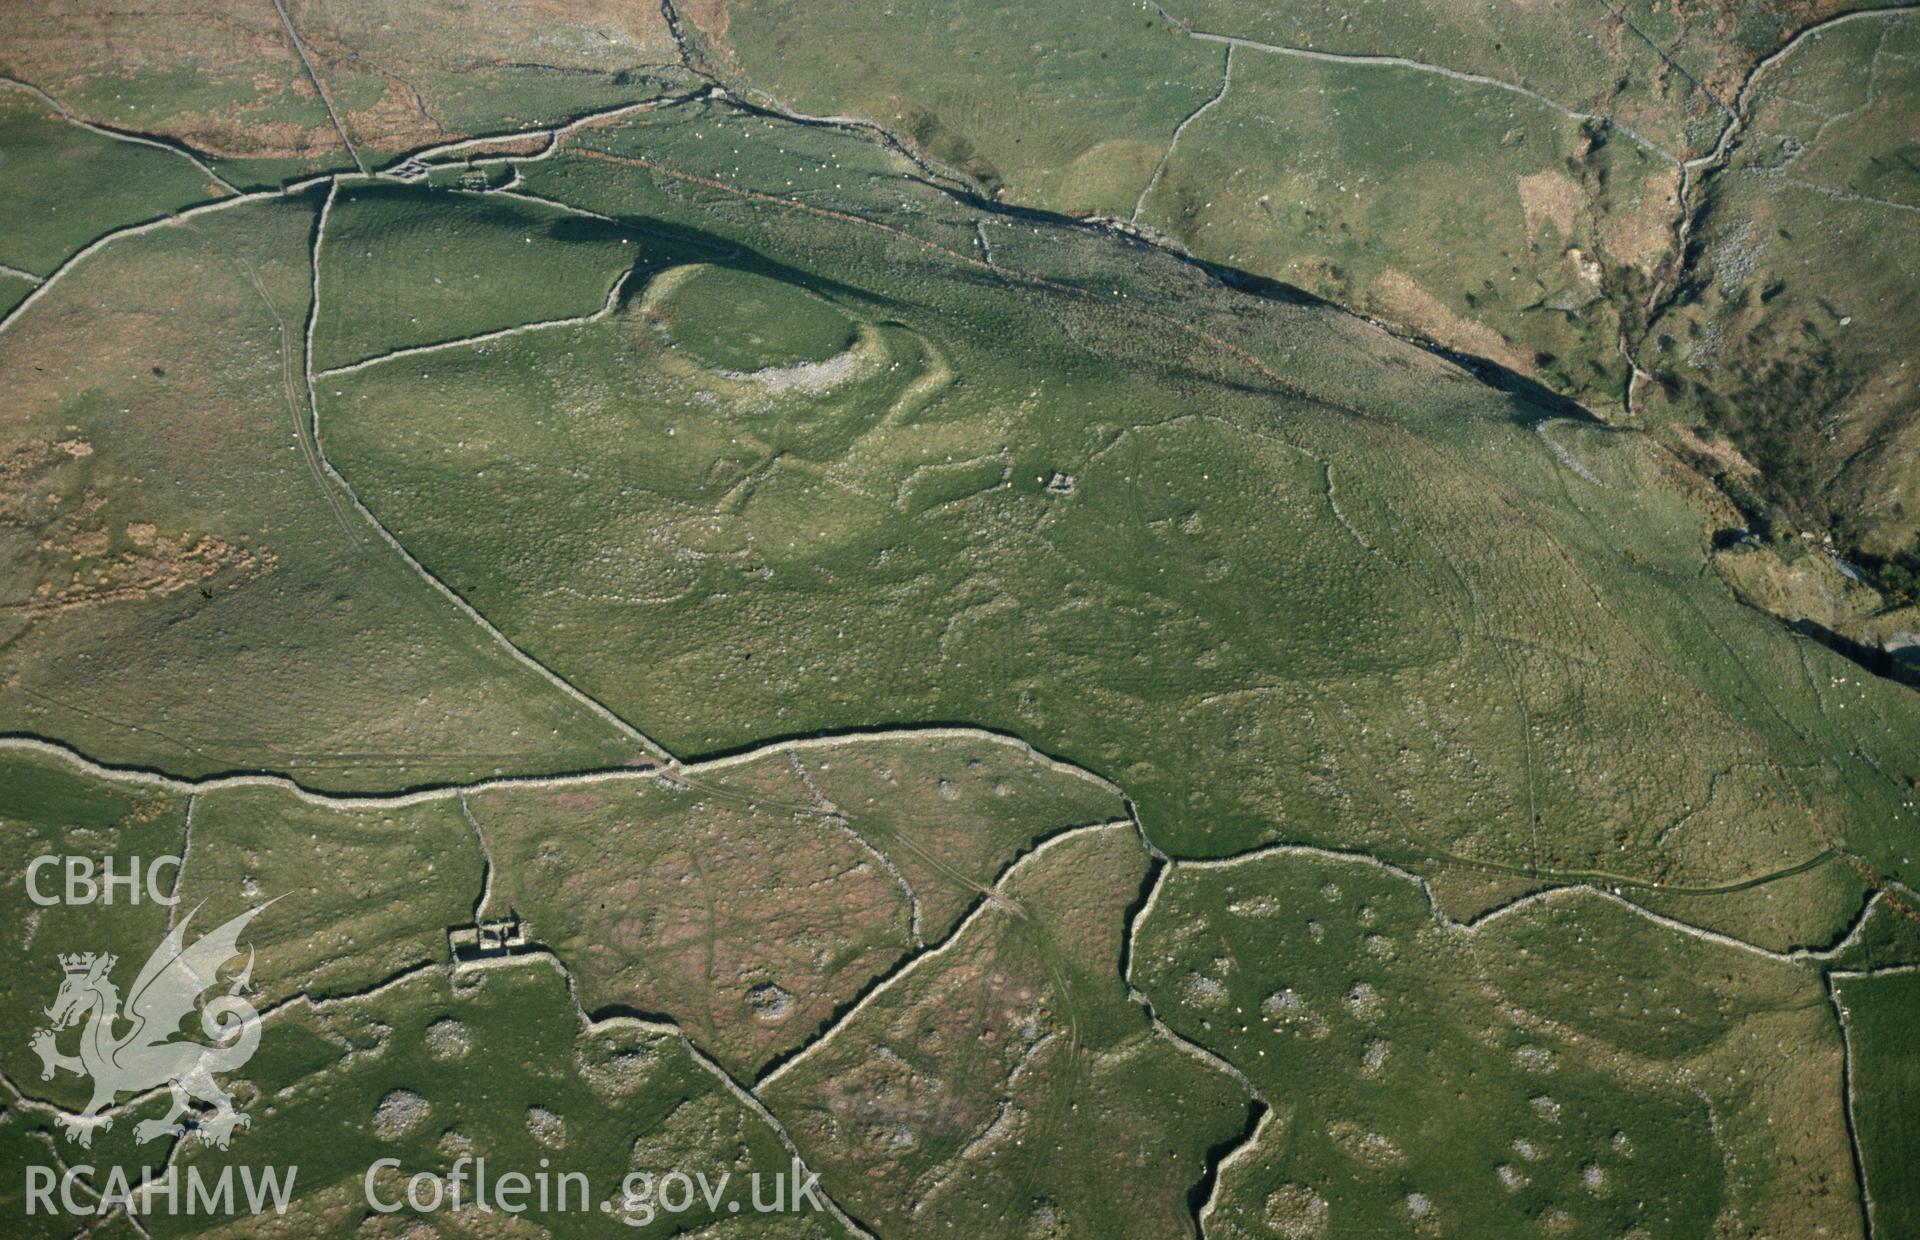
[(149, 1053)]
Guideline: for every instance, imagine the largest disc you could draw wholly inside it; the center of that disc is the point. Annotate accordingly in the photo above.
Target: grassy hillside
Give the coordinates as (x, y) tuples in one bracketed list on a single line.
[(1059, 737), (1690, 219), (187, 586), (1390, 606)]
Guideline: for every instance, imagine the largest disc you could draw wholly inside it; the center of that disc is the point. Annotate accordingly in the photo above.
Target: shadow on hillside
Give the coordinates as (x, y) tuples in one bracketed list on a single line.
[(1535, 399), (1902, 668), (681, 243)]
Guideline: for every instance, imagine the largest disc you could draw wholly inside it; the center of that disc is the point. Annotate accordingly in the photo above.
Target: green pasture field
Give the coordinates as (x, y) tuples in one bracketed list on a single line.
[(171, 525), (1078, 127), (229, 84), (650, 522), (225, 82), (1813, 909), (1481, 219), (439, 70), (1890, 936), (14, 289), (1054, 1109), (66, 186), (1581, 57), (1880, 1013), (413, 267), (1473, 1080), (358, 895), (751, 904)]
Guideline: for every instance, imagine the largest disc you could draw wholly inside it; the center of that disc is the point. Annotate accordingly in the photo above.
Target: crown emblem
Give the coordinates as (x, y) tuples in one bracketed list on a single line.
[(149, 1058)]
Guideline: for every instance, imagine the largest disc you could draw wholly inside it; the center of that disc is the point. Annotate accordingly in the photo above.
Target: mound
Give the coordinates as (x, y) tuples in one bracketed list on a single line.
[(748, 324)]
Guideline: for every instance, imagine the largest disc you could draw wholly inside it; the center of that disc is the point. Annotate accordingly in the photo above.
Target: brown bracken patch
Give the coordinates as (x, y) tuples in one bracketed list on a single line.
[(81, 562), (710, 16), (1401, 299), (1549, 198)]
